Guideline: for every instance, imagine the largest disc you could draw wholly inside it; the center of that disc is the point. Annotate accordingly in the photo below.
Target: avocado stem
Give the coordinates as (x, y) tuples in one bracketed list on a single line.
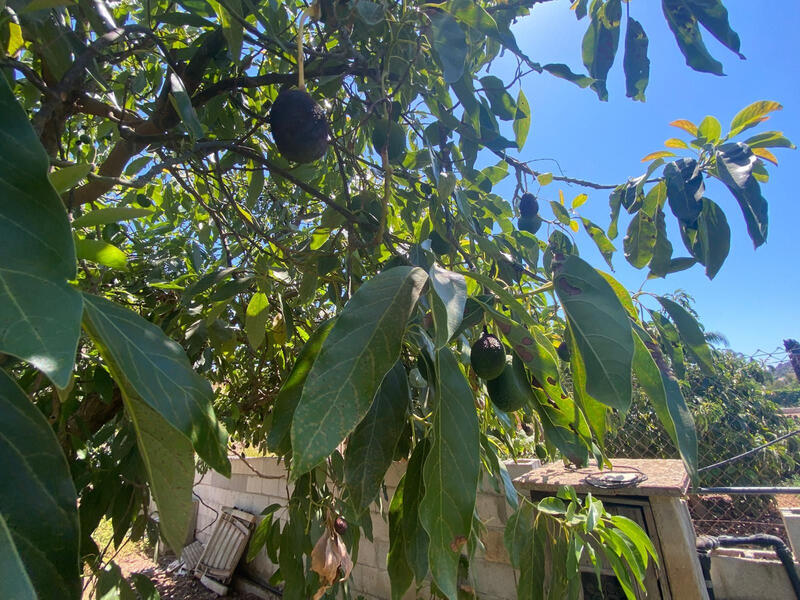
[(301, 79)]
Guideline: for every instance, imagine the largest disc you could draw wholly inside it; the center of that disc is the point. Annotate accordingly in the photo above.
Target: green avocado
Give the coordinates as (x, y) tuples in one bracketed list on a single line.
[(530, 224), (511, 390), (488, 356)]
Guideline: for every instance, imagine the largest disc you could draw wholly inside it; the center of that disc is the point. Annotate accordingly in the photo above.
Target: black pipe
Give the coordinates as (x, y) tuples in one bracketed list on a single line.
[(706, 544)]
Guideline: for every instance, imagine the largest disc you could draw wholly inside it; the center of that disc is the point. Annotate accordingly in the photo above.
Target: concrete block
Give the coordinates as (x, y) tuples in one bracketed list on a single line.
[(492, 509), (381, 553), (494, 548), (367, 554), (380, 528), (493, 579), (522, 466), (238, 466), (253, 484), (395, 474), (743, 578), (238, 483), (373, 581)]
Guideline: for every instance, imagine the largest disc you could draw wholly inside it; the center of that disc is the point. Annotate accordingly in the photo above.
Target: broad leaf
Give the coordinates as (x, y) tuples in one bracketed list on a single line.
[(752, 115), (601, 329), (517, 531), (522, 120), (450, 44), (713, 15), (256, 316), (600, 239), (685, 189), (360, 349), (450, 473), (662, 250), (370, 448), (709, 131), (735, 164), (714, 235), (102, 253), (684, 26), (595, 412), (448, 300), (500, 100), (37, 501), (104, 216), (684, 424), (636, 64), (68, 177), (39, 312), (600, 43), (400, 573), (14, 580), (414, 534), (183, 106), (149, 365), (690, 332), (640, 240), (562, 71), (278, 438), (648, 376)]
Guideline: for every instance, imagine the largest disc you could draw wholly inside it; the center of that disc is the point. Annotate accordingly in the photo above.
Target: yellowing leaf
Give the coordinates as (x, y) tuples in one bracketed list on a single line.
[(579, 200), (15, 41), (766, 155), (573, 224), (561, 196), (675, 143), (656, 155), (686, 125), (545, 178)]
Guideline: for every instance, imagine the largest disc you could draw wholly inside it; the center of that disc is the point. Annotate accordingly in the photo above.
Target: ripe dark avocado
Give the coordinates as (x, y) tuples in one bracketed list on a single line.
[(488, 357), (439, 245), (530, 224), (340, 525), (528, 205), (143, 201), (299, 126), (563, 352), (511, 390)]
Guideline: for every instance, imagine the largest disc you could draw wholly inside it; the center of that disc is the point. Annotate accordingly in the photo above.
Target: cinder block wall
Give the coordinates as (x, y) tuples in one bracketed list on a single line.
[(493, 577)]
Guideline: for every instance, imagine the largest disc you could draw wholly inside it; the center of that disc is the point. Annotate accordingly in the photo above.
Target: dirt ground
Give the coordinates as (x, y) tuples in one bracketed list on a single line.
[(171, 586)]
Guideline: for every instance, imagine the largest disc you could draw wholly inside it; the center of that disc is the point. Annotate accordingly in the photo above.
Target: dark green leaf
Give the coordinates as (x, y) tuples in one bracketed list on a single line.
[(640, 241), (636, 64), (684, 424), (685, 189), (714, 16), (183, 106), (38, 503), (560, 213), (232, 29), (278, 439), (601, 328), (662, 251), (371, 446), (361, 348), (416, 538), (648, 376), (517, 532), (144, 587), (14, 580), (450, 473), (400, 572), (615, 202), (450, 44), (103, 216), (389, 134), (155, 370), (690, 332), (714, 235), (501, 101), (449, 299), (39, 311), (551, 506), (596, 413), (735, 164), (598, 236), (600, 43), (370, 12), (683, 23), (564, 72)]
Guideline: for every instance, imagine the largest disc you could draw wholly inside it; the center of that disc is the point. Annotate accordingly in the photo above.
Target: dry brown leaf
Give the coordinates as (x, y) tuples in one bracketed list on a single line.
[(328, 556)]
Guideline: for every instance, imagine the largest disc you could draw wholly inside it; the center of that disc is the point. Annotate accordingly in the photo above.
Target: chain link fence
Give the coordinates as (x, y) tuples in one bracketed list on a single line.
[(730, 421)]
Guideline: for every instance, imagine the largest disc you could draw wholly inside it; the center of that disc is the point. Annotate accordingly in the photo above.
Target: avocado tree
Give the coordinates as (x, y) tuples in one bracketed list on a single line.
[(276, 221)]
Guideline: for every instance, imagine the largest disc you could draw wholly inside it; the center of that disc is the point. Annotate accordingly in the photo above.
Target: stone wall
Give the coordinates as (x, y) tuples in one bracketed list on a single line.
[(493, 577)]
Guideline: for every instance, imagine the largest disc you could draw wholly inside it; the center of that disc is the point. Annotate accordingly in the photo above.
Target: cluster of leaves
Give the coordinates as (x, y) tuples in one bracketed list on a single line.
[(310, 303)]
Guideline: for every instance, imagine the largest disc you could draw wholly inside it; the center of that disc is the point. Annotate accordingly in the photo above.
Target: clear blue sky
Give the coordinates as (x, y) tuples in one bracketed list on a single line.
[(755, 299)]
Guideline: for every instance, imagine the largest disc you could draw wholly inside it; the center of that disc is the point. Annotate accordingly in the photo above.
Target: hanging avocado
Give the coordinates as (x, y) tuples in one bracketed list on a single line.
[(299, 126), (528, 205), (563, 352), (530, 224), (511, 390), (488, 357)]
